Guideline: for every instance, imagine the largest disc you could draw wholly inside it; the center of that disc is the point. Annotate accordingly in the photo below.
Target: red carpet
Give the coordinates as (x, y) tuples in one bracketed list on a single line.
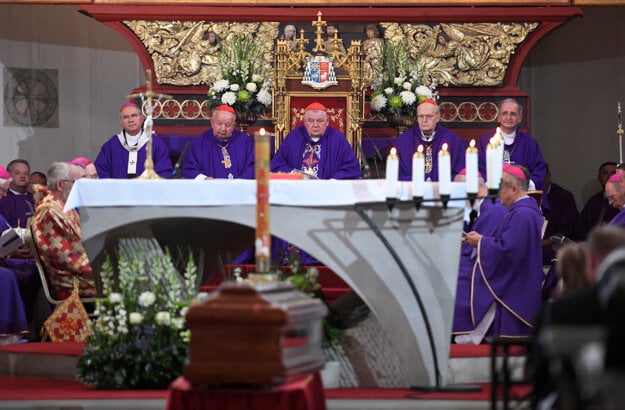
[(47, 389)]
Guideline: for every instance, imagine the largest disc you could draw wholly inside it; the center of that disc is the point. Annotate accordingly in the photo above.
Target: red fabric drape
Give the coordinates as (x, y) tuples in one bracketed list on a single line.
[(304, 394)]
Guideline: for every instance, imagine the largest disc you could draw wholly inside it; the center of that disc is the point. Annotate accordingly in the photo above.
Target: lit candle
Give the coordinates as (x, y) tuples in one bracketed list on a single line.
[(491, 152), (444, 171), (392, 173), (262, 242), (418, 173), (471, 164)]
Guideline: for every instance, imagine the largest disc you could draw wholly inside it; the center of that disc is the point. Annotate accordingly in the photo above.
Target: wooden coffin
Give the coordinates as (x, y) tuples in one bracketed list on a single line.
[(254, 335)]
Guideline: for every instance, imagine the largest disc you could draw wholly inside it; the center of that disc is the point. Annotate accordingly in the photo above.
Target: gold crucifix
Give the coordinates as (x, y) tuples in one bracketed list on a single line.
[(319, 32), (146, 100)]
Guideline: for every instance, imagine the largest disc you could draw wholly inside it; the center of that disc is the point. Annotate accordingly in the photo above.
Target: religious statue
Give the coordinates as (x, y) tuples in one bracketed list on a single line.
[(331, 30), (211, 47), (290, 35), (373, 49)]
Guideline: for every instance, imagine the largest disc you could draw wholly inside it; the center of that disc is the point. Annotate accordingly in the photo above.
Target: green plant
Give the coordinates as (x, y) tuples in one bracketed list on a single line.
[(242, 86), (404, 83), (140, 339)]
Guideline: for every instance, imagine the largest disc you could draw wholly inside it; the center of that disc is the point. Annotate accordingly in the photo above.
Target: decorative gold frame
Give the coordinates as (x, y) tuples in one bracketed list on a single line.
[(289, 68)]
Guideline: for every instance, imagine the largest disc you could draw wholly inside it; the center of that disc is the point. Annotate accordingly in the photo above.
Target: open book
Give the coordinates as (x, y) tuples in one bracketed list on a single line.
[(10, 241)]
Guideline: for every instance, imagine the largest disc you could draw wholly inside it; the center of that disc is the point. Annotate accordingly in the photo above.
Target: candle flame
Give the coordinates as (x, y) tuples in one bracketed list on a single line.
[(420, 148), (262, 131), (472, 144), (393, 151), (445, 147)]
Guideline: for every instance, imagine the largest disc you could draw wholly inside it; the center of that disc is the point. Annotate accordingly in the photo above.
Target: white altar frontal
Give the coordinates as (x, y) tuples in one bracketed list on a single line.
[(403, 262)]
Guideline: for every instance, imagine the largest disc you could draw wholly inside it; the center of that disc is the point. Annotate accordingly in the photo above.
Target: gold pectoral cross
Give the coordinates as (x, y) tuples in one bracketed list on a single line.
[(226, 161), (428, 159)]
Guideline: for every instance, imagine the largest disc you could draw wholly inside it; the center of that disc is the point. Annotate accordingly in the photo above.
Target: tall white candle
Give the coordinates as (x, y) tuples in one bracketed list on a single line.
[(418, 173), (392, 173), (444, 171), (471, 164), (491, 152)]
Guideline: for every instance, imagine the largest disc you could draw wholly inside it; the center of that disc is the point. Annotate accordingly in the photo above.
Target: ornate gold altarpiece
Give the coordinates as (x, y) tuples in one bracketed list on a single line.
[(477, 65)]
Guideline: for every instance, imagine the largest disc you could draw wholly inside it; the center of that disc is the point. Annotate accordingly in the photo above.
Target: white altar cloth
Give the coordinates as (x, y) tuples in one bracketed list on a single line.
[(220, 192)]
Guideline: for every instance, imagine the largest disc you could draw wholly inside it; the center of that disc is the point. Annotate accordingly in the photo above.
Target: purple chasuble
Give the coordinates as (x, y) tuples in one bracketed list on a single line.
[(408, 142), (562, 216), (490, 217), (12, 311), (112, 160), (524, 151), (619, 219), (596, 211), (335, 158), (509, 272), (209, 156), (16, 209)]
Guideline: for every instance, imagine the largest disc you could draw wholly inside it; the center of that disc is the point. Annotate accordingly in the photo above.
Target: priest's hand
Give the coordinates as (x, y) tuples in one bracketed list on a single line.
[(473, 238)]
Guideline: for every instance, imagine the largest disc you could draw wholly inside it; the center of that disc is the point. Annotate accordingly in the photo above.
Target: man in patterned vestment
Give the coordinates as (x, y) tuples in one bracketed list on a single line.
[(57, 234)]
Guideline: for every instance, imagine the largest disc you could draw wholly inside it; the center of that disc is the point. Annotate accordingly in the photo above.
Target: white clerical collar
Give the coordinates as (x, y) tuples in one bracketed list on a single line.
[(133, 139), (315, 139), (18, 193), (508, 139), (427, 138)]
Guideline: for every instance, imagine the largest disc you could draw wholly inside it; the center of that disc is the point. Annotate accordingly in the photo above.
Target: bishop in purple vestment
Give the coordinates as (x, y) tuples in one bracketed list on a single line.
[(597, 209), (222, 151), (317, 149), (519, 148), (432, 136), (507, 276), (123, 155), (489, 217)]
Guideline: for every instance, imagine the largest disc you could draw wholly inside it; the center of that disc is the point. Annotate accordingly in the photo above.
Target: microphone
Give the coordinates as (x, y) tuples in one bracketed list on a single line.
[(366, 172), (177, 174)]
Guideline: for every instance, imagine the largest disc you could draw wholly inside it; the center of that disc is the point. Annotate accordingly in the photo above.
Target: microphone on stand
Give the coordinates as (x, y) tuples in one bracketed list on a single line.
[(364, 165), (177, 174)]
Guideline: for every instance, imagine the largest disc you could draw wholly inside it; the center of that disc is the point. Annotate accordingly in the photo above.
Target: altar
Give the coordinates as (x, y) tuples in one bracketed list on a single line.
[(402, 262)]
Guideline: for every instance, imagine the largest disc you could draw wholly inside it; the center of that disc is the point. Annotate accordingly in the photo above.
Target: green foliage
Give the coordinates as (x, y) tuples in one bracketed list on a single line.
[(241, 86), (405, 82), (139, 339)]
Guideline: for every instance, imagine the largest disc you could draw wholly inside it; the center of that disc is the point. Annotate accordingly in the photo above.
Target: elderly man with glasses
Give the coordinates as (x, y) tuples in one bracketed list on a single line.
[(222, 151), (431, 135), (317, 149), (519, 147), (57, 236), (123, 155)]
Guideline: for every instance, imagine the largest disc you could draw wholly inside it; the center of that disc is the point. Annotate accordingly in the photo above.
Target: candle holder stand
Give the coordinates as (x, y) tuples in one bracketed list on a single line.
[(390, 203), (418, 200), (472, 197), (445, 200)]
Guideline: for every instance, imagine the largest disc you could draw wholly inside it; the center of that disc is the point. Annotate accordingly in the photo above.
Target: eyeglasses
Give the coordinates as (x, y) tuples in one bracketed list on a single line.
[(133, 116), (317, 121), (424, 117)]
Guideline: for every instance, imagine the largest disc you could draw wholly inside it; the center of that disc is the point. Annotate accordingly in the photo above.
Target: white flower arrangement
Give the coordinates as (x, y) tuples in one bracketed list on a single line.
[(404, 84), (241, 86), (139, 342)]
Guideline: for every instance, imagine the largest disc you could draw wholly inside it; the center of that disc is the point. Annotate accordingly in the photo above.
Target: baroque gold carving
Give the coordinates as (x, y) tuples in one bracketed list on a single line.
[(183, 51), (467, 54)]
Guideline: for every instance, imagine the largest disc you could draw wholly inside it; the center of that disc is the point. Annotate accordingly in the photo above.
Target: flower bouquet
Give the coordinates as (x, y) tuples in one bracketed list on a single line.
[(242, 85), (139, 339), (404, 83)]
